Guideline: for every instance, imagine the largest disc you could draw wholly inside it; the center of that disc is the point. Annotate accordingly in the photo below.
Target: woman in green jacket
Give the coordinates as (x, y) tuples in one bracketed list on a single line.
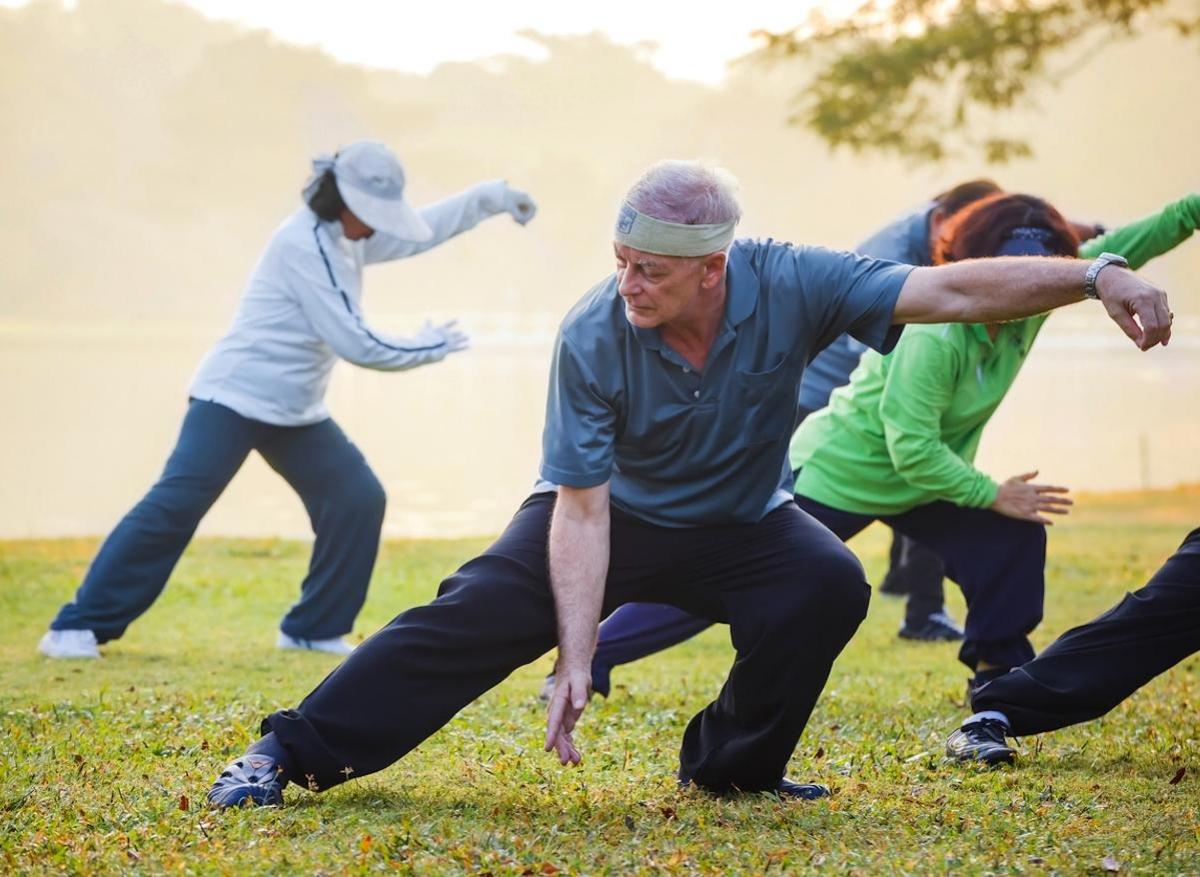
[(898, 443)]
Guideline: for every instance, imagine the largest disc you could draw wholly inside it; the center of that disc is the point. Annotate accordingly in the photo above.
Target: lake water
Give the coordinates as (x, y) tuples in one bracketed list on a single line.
[(91, 413)]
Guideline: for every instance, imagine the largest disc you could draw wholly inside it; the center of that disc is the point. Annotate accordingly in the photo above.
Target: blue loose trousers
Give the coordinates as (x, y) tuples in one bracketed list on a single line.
[(344, 500)]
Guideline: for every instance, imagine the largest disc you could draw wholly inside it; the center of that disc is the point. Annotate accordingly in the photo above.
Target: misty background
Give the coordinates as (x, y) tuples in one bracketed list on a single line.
[(149, 153)]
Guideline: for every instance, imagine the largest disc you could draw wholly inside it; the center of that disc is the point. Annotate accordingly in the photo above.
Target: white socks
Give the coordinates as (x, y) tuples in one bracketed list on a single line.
[(994, 715)]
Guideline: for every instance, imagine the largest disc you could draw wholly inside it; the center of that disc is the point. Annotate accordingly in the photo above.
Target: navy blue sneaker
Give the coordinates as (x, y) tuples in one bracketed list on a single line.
[(787, 789), (938, 627), (801, 791), (982, 740), (256, 778)]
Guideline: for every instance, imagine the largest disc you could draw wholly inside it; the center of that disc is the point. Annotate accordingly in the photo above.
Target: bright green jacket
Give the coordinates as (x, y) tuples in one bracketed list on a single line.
[(905, 430)]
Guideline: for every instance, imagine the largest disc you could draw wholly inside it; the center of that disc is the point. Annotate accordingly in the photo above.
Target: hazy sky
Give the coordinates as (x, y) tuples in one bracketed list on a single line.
[(383, 33), (164, 148)]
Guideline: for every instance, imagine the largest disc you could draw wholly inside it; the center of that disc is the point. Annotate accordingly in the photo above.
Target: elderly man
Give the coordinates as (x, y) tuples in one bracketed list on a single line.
[(640, 629), (673, 396)]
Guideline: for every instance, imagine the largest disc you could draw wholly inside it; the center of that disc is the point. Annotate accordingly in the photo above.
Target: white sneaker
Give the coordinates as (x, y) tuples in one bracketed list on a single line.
[(69, 644), (335, 646)]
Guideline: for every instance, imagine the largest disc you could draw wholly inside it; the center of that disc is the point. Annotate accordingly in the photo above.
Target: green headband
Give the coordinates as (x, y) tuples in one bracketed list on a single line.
[(650, 235)]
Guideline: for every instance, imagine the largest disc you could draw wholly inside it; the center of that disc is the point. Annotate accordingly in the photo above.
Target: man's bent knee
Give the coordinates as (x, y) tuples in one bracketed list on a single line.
[(834, 585), (846, 591)]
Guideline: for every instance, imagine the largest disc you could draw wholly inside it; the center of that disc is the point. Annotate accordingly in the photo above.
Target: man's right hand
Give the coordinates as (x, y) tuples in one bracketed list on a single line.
[(1020, 498), (572, 688), (578, 561)]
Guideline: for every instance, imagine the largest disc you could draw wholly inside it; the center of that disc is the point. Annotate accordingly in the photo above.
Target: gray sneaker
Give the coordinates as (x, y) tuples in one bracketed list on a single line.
[(255, 778), (982, 740)]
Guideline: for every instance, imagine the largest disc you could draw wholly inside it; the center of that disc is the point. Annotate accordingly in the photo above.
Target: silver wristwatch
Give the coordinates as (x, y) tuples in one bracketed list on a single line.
[(1093, 271)]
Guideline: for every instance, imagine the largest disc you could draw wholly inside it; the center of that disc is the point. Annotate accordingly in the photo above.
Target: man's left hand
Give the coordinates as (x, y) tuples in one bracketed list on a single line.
[(572, 688), (1126, 296)]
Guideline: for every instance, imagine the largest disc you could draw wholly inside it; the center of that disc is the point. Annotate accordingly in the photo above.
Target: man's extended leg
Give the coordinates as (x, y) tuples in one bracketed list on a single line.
[(794, 595), (491, 616), (1090, 669), (345, 503), (135, 561)]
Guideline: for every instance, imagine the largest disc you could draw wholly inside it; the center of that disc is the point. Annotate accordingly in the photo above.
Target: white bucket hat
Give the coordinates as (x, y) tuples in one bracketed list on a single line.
[(370, 180)]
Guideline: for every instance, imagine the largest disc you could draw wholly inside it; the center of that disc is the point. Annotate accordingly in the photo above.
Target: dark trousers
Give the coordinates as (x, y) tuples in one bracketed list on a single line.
[(1090, 669), (344, 500), (790, 591), (916, 571), (999, 562)]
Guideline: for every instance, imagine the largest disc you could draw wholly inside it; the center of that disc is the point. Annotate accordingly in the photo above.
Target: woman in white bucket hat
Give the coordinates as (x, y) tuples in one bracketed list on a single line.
[(262, 388)]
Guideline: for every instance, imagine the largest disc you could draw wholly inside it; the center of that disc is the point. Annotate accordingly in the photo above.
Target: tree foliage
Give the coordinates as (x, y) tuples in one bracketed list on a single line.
[(920, 78)]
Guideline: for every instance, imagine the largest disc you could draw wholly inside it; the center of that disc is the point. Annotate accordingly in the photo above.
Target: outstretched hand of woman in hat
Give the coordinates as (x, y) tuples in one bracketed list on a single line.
[(449, 334), (519, 205)]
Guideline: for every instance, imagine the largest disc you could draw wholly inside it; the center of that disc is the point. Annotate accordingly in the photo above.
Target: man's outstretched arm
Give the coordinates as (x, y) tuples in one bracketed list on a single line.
[(578, 558), (1009, 288)]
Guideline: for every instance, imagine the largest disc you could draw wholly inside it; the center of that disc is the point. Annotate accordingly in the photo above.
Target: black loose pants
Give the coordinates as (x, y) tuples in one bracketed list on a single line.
[(791, 592), (1090, 669), (999, 562)]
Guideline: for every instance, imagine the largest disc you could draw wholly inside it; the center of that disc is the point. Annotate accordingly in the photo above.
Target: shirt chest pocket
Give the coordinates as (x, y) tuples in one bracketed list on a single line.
[(767, 400)]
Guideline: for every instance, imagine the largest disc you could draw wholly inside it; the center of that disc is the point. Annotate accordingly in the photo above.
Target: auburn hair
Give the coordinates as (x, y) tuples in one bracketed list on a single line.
[(980, 229)]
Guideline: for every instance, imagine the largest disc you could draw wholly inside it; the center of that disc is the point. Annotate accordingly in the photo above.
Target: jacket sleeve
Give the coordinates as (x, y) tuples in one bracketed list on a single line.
[(1149, 237), (917, 391), (446, 219), (339, 322)]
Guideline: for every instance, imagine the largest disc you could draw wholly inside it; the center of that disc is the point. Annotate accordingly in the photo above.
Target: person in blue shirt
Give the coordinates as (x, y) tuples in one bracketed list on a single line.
[(665, 478), (640, 629), (262, 388)]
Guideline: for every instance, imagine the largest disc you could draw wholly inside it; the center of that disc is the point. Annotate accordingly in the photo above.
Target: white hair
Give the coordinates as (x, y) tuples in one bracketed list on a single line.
[(688, 192)]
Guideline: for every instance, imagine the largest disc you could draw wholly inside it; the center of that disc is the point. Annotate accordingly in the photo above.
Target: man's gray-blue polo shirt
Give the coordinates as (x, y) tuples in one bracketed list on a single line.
[(686, 449)]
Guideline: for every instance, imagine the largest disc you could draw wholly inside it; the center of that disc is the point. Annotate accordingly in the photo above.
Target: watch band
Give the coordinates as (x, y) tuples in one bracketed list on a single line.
[(1093, 271)]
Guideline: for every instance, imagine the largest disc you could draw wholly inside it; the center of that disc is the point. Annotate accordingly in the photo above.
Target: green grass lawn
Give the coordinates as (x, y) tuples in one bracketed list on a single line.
[(104, 765)]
